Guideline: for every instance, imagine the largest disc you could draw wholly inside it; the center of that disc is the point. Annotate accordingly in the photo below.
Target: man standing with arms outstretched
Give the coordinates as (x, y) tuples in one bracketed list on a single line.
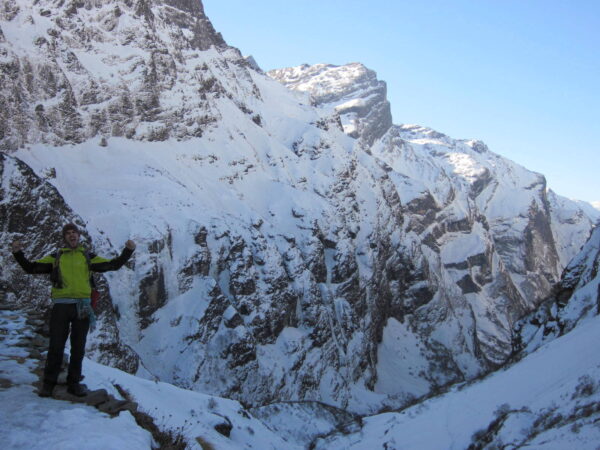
[(70, 270)]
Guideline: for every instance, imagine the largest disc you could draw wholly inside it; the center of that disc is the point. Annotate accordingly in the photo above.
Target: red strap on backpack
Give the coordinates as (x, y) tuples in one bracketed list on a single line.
[(94, 297)]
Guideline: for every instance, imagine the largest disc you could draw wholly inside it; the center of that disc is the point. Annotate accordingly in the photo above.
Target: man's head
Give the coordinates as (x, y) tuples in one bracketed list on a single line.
[(70, 234)]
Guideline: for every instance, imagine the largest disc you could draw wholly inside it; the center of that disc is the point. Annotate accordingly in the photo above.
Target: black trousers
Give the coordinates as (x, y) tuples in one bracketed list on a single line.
[(63, 318)]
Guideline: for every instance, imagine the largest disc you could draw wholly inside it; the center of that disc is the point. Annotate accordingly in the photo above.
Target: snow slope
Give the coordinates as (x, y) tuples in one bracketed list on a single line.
[(30, 422), (549, 400)]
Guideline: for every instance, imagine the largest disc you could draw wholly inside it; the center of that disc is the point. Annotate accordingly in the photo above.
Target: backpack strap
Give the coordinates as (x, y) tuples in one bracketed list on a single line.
[(95, 295), (88, 258), (55, 276)]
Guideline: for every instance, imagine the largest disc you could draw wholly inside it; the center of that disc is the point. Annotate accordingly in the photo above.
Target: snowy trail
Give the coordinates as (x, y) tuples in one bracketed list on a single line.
[(30, 422)]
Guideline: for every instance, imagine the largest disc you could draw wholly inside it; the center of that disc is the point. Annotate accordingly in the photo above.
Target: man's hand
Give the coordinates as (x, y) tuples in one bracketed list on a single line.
[(130, 244), (16, 246)]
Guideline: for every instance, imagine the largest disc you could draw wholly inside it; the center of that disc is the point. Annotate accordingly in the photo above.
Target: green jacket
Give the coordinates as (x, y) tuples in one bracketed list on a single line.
[(74, 269)]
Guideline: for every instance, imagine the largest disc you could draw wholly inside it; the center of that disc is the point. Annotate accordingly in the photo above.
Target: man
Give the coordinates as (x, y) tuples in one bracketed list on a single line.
[(70, 271)]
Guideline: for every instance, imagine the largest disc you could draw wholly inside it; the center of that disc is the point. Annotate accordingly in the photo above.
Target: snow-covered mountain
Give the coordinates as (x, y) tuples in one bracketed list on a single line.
[(549, 399), (493, 239), (292, 244)]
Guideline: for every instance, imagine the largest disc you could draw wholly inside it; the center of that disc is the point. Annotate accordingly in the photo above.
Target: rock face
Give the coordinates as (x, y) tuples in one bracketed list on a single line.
[(549, 392), (492, 240), (289, 247), (58, 79), (353, 91), (573, 300)]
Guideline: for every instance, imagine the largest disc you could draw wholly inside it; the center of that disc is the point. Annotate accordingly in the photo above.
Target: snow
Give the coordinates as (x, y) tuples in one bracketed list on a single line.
[(316, 419), (354, 103), (579, 215), (191, 413), (465, 166), (401, 360), (460, 246), (591, 209), (30, 422), (543, 382)]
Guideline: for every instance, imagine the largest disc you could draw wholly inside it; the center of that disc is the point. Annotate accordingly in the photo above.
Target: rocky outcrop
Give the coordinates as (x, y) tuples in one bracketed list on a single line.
[(574, 299), (351, 91), (54, 94)]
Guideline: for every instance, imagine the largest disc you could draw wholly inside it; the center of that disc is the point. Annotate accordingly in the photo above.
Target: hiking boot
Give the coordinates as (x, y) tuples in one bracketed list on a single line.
[(46, 390), (78, 390)]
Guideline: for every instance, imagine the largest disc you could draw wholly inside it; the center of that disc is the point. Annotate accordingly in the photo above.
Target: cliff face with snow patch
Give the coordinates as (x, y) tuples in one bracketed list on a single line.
[(72, 71), (492, 240), (290, 246), (575, 299), (547, 396)]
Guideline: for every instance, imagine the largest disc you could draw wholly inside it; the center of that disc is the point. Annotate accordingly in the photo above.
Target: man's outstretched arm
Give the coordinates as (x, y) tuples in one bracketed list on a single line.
[(104, 265), (32, 267)]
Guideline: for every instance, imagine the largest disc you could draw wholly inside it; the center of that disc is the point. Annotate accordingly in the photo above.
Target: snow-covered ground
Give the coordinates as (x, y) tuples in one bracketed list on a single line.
[(30, 422)]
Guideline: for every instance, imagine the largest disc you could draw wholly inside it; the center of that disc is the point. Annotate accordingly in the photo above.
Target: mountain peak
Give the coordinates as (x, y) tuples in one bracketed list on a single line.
[(352, 91)]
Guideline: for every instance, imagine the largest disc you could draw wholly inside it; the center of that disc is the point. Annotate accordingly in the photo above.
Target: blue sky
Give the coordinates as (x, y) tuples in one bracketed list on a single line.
[(521, 75)]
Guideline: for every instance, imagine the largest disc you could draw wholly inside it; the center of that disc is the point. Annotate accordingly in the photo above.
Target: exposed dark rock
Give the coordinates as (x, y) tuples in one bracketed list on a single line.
[(153, 295), (467, 285), (224, 427)]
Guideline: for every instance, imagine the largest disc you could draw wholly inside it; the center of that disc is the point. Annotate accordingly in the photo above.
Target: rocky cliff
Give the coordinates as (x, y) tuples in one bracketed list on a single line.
[(72, 71), (575, 299)]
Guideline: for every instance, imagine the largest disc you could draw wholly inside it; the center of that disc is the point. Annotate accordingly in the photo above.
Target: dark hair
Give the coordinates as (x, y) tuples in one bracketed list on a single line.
[(70, 226)]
